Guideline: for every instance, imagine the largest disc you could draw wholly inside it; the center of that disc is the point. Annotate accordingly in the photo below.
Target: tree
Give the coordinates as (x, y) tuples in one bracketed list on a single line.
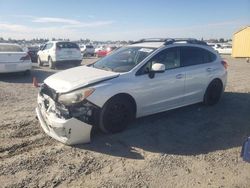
[(221, 40)]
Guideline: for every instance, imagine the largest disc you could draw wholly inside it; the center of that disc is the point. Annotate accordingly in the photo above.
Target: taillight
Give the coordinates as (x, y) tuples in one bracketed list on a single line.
[(225, 64), (27, 57)]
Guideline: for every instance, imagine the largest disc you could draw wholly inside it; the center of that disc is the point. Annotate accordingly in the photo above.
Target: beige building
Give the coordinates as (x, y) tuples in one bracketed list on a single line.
[(241, 43)]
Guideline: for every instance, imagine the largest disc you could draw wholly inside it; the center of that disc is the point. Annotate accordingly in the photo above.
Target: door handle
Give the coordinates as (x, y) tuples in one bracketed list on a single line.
[(210, 70), (179, 76)]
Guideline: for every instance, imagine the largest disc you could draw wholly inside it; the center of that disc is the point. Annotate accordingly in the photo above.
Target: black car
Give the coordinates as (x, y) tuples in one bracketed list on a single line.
[(32, 51)]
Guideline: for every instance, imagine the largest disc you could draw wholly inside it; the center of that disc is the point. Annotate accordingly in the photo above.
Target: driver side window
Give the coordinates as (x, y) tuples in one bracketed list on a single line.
[(169, 57)]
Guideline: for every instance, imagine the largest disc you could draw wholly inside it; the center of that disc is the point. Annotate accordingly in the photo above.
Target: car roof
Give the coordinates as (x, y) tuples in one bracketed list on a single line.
[(159, 42), (148, 44)]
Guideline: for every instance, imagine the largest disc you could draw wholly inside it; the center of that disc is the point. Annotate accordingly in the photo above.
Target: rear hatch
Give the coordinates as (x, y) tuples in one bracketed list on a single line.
[(90, 49), (68, 51)]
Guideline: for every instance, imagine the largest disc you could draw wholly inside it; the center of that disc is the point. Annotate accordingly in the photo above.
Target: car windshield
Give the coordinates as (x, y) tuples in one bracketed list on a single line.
[(124, 59), (10, 48)]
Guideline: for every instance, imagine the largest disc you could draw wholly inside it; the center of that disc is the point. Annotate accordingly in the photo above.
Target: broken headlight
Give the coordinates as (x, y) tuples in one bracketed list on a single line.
[(75, 97)]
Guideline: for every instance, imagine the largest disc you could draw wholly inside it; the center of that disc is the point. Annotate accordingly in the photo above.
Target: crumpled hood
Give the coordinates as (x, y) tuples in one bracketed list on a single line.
[(78, 77)]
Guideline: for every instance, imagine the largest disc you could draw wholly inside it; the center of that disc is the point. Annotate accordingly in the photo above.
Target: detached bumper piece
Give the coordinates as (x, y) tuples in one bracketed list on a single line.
[(245, 152), (69, 131)]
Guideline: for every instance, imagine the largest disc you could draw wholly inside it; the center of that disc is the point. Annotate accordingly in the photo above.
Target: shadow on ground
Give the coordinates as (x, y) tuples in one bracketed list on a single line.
[(191, 130)]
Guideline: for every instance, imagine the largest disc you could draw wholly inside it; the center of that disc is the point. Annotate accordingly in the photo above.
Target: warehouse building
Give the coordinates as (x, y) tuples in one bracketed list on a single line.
[(241, 43)]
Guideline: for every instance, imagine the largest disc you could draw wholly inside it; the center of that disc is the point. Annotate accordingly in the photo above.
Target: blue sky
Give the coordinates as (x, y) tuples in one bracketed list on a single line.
[(122, 20)]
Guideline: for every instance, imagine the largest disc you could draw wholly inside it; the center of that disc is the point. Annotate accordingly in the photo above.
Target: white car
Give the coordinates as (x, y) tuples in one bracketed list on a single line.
[(55, 52), (99, 48), (224, 49), (14, 59), (144, 78), (87, 50)]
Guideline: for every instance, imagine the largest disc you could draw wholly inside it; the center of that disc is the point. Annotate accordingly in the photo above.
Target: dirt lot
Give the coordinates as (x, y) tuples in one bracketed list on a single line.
[(195, 146)]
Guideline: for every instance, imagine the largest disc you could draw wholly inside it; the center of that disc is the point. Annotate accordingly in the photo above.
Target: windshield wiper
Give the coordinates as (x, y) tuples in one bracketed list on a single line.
[(107, 68), (103, 68)]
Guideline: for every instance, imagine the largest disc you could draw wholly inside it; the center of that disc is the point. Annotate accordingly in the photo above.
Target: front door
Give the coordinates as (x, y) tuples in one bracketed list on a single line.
[(163, 91)]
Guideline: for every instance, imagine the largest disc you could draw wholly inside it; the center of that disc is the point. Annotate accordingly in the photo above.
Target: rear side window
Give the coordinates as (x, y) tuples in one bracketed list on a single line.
[(195, 56), (67, 45), (10, 48)]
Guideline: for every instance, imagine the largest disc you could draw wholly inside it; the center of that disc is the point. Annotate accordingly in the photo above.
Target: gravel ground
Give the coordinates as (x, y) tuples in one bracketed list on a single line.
[(195, 146)]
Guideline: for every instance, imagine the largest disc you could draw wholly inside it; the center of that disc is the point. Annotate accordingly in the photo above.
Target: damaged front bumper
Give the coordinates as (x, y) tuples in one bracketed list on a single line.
[(69, 131)]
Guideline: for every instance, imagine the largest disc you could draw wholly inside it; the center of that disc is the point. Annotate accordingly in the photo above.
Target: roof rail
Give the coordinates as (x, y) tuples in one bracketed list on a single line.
[(187, 40), (168, 41), (152, 40)]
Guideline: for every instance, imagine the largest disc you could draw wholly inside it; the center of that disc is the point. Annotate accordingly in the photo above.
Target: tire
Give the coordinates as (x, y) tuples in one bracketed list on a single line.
[(39, 62), (213, 92), (51, 63), (116, 114)]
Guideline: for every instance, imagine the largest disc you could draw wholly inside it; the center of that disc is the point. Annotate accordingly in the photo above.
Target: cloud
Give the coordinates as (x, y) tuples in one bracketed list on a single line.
[(77, 30), (12, 27), (90, 24), (69, 23), (55, 20)]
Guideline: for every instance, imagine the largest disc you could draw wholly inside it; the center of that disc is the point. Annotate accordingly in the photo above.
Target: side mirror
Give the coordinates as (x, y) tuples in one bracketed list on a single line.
[(158, 68)]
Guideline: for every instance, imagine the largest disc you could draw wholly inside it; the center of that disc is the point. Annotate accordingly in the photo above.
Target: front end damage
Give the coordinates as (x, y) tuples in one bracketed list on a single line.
[(67, 124)]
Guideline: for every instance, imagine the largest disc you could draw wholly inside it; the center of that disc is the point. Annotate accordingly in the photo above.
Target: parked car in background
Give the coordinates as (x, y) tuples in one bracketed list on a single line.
[(32, 51), (225, 49), (55, 52), (87, 50), (99, 48), (221, 48), (104, 52), (147, 77), (14, 59)]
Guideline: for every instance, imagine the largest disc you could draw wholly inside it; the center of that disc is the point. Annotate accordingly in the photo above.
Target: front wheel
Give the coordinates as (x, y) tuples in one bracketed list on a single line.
[(51, 63), (39, 62), (213, 93), (116, 114)]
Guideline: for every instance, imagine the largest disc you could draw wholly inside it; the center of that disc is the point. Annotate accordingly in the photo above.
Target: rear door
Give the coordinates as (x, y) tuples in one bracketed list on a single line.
[(199, 67)]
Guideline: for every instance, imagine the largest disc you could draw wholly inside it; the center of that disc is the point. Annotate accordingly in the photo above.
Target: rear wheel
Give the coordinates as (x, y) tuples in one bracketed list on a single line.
[(213, 92), (51, 63), (116, 115)]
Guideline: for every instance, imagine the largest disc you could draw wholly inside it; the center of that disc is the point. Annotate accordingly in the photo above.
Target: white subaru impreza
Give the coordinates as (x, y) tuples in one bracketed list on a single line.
[(147, 77)]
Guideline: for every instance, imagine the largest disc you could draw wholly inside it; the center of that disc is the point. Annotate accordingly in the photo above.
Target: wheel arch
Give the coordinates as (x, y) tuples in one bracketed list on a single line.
[(125, 96), (214, 79)]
